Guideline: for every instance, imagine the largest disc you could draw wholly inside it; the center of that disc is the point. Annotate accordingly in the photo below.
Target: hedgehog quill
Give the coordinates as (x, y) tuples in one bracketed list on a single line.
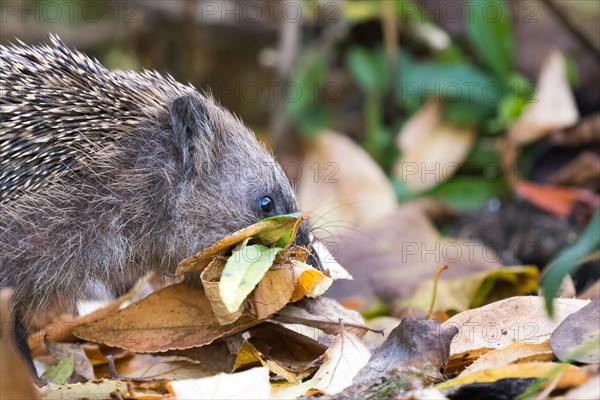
[(106, 175)]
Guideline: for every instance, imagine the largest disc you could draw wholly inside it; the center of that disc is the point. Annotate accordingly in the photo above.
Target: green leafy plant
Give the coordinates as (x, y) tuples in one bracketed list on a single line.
[(570, 260)]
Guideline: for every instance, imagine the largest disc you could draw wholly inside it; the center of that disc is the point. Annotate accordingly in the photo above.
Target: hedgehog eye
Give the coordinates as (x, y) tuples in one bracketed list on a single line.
[(266, 204)]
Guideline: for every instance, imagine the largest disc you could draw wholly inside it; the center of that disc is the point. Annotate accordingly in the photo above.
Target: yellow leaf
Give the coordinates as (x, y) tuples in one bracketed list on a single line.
[(570, 375), (469, 291), (515, 353)]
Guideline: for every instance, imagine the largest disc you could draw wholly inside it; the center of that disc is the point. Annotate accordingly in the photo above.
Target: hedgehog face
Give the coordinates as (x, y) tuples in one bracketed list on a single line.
[(227, 174)]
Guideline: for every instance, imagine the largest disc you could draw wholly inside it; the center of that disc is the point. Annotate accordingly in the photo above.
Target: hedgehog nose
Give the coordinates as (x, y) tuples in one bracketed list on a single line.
[(305, 239)]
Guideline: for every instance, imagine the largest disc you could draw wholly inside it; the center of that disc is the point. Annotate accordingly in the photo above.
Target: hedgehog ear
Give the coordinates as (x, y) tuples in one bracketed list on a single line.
[(189, 122)]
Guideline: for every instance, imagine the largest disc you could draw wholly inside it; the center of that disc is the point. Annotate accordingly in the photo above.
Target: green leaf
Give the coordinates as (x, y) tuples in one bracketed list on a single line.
[(281, 229), (305, 89), (504, 283), (468, 192), (456, 85), (467, 114), (489, 30), (60, 373), (361, 11), (242, 272), (569, 260), (368, 68)]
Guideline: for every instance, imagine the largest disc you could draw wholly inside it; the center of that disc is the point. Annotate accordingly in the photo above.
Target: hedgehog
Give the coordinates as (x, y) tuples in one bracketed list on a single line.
[(106, 175)]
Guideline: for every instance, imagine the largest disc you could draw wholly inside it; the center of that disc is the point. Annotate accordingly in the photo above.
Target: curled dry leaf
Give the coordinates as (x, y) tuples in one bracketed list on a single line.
[(499, 324), (323, 313), (287, 281), (432, 150), (267, 231), (292, 350), (288, 354), (553, 106)]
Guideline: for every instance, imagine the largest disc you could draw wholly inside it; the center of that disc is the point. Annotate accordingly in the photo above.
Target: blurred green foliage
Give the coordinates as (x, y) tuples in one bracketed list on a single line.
[(474, 79), (569, 260)]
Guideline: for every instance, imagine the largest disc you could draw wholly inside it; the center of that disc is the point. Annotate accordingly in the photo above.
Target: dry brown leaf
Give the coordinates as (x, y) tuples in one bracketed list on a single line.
[(413, 355), (286, 281), (322, 313), (251, 384), (587, 131), (200, 261), (175, 317), (16, 381), (61, 330), (294, 350), (341, 184), (217, 356), (578, 336), (512, 354), (341, 362), (569, 377), (173, 370), (249, 356), (499, 324), (553, 106), (432, 150), (583, 172), (210, 278), (287, 353), (588, 391)]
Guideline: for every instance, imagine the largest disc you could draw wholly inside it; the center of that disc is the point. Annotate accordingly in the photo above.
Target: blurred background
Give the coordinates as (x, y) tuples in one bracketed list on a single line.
[(418, 133)]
